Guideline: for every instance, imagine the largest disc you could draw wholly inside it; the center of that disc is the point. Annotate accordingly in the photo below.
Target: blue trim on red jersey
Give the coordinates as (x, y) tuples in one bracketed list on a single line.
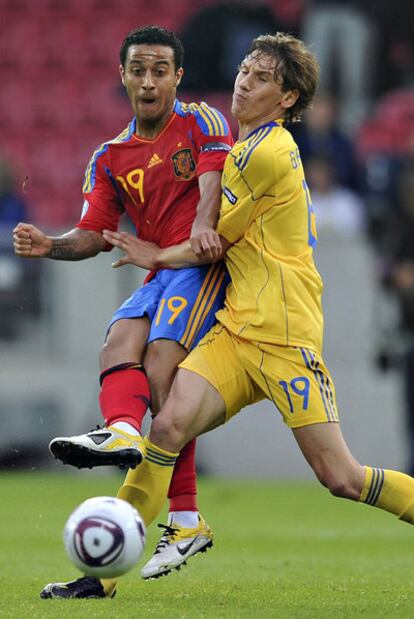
[(90, 174), (211, 121), (115, 186)]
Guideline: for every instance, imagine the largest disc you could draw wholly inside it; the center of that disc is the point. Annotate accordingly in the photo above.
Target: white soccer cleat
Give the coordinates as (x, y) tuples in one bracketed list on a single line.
[(100, 447), (177, 544)]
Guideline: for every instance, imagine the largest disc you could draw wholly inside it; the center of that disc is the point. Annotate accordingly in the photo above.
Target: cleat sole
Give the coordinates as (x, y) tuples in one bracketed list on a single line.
[(84, 458)]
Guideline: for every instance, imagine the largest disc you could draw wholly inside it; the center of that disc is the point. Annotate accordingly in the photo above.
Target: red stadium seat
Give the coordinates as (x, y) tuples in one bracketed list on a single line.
[(392, 128), (16, 104), (19, 43), (397, 104), (61, 95)]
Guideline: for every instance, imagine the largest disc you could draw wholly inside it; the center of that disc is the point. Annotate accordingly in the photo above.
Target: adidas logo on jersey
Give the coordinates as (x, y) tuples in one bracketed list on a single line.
[(155, 160)]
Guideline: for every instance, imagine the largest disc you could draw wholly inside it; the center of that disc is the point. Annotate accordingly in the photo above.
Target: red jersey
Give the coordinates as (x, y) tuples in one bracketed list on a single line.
[(155, 181)]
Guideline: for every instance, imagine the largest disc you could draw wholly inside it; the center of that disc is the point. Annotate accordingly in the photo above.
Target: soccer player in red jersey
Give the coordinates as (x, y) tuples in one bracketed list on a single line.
[(164, 171)]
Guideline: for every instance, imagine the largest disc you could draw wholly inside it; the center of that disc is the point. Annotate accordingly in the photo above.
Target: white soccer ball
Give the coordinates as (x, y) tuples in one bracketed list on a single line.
[(104, 537)]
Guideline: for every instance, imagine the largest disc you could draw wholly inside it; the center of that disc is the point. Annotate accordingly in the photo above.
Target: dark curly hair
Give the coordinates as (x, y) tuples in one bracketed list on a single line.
[(153, 35), (296, 67)]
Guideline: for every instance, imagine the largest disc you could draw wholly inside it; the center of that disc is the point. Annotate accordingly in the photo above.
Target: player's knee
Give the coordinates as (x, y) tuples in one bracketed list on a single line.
[(111, 354), (124, 343), (113, 340), (167, 432), (340, 488), (339, 484), (104, 356)]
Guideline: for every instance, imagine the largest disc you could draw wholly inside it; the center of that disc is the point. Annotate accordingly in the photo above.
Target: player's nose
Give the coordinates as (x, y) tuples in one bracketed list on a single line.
[(148, 81)]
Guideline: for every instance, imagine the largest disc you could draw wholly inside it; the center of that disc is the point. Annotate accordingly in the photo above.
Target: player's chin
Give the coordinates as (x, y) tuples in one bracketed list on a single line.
[(236, 109), (150, 111)]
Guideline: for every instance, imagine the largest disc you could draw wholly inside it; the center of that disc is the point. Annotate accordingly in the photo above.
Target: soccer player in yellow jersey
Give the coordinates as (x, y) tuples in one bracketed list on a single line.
[(268, 340)]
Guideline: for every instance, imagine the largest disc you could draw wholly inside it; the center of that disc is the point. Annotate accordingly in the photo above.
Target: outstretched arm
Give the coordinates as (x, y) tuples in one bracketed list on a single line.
[(204, 240), (150, 256), (30, 242)]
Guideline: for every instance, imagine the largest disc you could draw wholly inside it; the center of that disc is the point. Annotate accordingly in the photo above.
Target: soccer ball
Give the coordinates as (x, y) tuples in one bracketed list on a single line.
[(104, 537)]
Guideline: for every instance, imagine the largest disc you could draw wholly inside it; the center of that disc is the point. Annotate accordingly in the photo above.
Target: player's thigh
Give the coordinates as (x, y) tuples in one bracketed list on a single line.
[(297, 381), (216, 360), (188, 304)]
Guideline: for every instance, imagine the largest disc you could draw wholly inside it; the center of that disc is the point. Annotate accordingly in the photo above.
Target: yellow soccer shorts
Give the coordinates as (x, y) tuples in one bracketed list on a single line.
[(244, 372)]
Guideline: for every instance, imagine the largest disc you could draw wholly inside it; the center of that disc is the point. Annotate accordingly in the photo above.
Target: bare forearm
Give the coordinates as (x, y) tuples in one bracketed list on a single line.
[(206, 217), (208, 206), (150, 256), (76, 245), (181, 256)]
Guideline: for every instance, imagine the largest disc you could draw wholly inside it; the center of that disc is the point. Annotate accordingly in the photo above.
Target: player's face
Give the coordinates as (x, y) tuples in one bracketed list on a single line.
[(151, 81), (257, 96)]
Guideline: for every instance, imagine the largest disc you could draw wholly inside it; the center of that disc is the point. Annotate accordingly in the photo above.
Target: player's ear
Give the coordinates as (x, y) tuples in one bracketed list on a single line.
[(289, 98), (122, 73), (179, 75)]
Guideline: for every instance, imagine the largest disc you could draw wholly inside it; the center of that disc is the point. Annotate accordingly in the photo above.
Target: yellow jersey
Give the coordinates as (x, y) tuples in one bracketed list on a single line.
[(266, 213)]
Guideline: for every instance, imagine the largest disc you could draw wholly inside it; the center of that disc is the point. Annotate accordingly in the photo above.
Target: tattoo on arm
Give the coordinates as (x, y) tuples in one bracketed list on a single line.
[(76, 247)]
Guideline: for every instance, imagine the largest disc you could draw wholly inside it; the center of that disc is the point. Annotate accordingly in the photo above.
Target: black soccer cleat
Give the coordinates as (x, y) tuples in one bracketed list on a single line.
[(86, 587)]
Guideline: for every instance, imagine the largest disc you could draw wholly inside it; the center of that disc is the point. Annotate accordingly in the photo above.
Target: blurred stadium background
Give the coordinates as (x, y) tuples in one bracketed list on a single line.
[(60, 97)]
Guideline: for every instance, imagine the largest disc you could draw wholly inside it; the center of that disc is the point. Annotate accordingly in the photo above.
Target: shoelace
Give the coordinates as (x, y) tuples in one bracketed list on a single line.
[(97, 427), (168, 534)]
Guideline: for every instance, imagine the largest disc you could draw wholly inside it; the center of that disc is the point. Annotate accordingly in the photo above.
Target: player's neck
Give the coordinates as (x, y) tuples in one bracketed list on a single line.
[(246, 127), (148, 129)]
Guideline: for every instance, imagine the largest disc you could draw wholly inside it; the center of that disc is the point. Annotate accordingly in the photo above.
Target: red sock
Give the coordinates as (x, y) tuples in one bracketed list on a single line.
[(183, 487), (125, 394)]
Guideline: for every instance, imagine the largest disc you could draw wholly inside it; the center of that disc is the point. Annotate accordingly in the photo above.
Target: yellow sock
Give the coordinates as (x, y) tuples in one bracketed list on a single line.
[(389, 490), (146, 488), (109, 585)]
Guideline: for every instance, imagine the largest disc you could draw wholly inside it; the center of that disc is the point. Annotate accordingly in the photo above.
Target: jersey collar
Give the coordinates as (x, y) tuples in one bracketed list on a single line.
[(270, 124)]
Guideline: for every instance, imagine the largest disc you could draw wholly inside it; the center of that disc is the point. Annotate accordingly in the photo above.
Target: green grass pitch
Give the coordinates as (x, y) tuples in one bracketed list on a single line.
[(281, 550)]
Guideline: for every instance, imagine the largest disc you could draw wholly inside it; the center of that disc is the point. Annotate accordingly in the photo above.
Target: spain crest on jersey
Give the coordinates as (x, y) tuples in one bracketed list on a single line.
[(184, 164)]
